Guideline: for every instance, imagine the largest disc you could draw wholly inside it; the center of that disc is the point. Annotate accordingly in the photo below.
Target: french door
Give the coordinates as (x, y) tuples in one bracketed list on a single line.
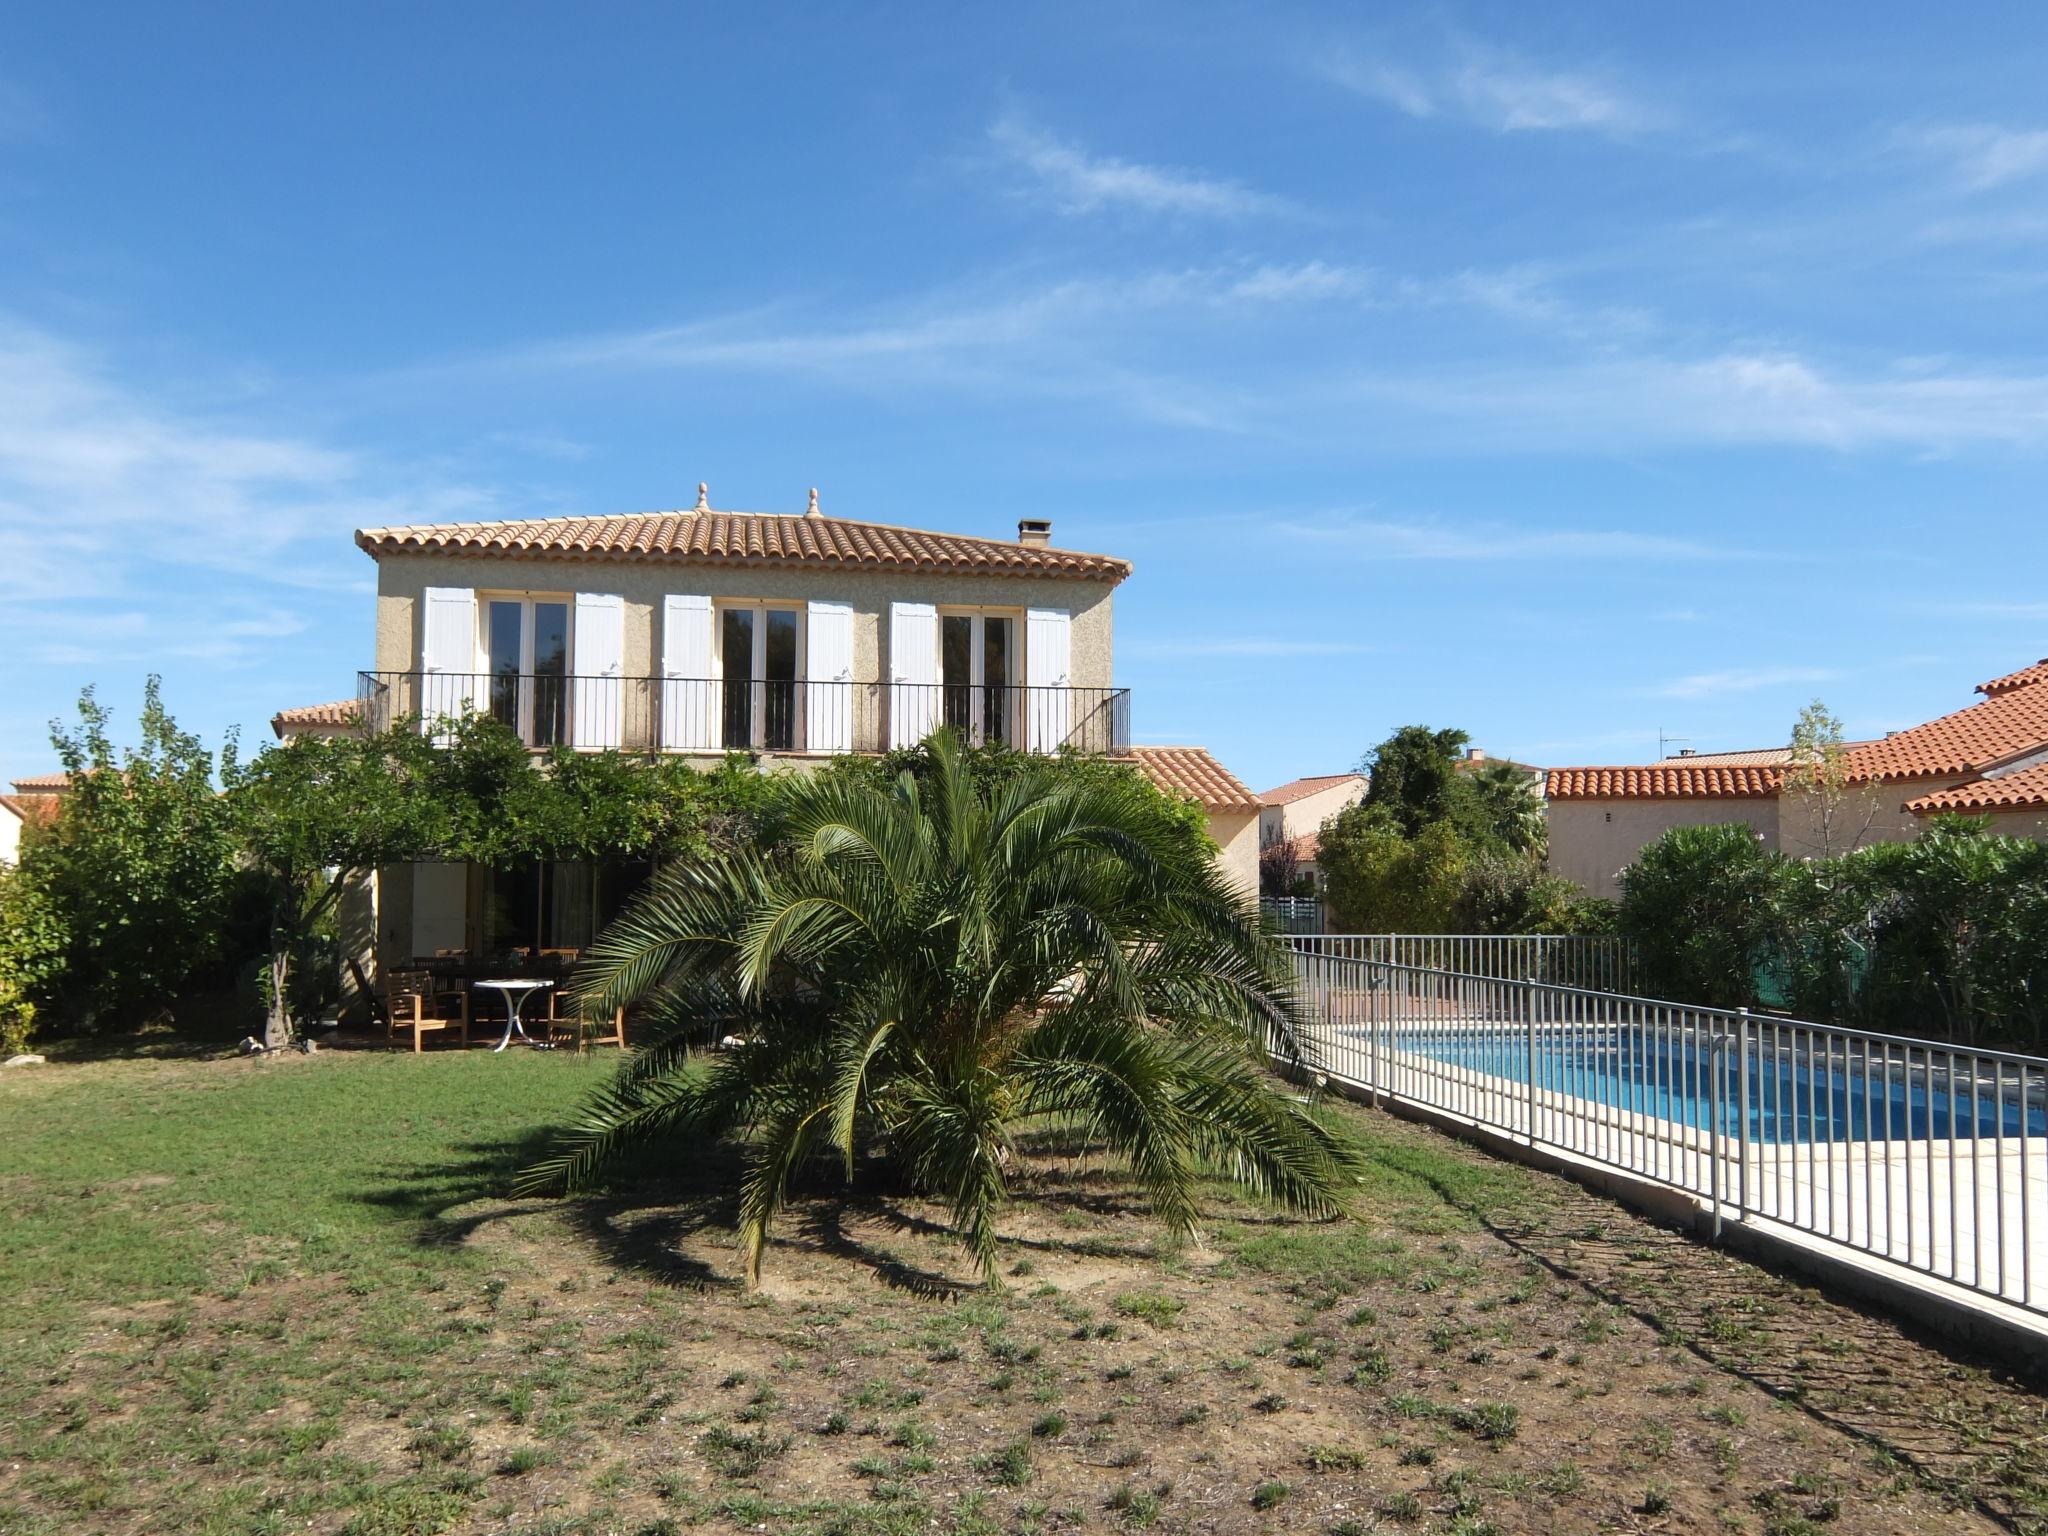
[(978, 671), (758, 646), (526, 654)]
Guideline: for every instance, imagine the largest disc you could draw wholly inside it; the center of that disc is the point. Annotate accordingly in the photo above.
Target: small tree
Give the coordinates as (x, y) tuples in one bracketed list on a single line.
[(1279, 869), (1817, 774), (32, 944), (138, 865), (318, 815)]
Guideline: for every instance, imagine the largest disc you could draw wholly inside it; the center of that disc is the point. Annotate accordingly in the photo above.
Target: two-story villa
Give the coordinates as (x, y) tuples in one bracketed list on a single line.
[(702, 632)]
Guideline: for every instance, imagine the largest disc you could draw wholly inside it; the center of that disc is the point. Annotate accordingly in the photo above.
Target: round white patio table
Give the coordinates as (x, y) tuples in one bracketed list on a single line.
[(515, 990)]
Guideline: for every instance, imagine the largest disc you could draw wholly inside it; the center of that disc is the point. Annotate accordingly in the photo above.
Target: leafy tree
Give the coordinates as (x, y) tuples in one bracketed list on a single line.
[(922, 970), (1701, 905), (315, 816), (1415, 782), (137, 867)]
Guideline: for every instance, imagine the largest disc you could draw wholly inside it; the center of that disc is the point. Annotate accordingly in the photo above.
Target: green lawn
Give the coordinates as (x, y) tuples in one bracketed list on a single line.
[(269, 1296)]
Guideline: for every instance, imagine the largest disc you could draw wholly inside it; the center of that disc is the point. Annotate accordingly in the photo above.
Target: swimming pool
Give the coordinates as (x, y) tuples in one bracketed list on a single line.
[(1794, 1097)]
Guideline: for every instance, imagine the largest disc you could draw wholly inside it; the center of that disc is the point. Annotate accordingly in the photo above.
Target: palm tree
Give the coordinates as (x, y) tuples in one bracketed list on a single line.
[(927, 968)]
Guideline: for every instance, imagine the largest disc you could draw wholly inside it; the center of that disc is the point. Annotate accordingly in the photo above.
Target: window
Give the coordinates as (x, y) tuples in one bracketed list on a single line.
[(758, 649), (979, 667), (526, 654)]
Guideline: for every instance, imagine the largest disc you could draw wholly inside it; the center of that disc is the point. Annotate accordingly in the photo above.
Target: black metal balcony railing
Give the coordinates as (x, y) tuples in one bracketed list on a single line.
[(706, 715)]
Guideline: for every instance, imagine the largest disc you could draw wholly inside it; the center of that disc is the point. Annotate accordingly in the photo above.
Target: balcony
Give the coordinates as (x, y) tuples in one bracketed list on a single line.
[(714, 715)]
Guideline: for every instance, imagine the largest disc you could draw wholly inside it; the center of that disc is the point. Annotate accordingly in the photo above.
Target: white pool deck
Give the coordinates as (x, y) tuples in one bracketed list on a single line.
[(1965, 1217)]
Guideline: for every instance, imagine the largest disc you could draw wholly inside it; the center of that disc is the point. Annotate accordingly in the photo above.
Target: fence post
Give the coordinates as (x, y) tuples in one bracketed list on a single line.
[(1714, 1114), (1742, 1113), (1529, 991)]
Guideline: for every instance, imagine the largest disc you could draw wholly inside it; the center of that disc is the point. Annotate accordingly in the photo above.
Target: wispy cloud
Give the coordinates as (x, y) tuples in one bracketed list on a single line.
[(1707, 685), (1493, 89), (111, 499), (1981, 156), (1074, 180)]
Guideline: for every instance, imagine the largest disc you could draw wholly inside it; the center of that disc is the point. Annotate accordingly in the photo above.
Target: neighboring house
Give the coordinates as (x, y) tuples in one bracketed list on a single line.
[(1988, 759), (33, 800), (1299, 807), (703, 632), (340, 718), (1232, 808)]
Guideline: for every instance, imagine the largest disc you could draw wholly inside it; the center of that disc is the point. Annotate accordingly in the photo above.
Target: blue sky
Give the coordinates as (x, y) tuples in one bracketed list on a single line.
[(1563, 373)]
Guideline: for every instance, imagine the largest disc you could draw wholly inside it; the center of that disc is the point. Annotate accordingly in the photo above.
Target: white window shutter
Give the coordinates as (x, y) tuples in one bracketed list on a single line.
[(597, 696), (1048, 669), (448, 685), (828, 677), (913, 673), (689, 687)]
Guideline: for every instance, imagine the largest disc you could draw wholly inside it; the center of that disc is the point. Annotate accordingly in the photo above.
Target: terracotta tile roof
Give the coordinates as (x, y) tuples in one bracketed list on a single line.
[(340, 714), (1301, 789), (2023, 790), (1664, 781), (43, 784), (708, 537), (2006, 725), (1191, 771), (1758, 757), (1306, 847), (2026, 677), (30, 807)]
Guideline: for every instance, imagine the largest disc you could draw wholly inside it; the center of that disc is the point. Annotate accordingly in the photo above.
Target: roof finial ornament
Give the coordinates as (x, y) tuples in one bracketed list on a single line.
[(703, 496), (812, 510)]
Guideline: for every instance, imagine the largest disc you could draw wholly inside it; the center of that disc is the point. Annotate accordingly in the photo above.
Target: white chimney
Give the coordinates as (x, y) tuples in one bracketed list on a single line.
[(1035, 531)]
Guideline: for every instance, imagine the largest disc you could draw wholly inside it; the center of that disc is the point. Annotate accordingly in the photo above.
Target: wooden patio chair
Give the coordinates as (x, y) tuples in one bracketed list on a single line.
[(569, 1021), (411, 1003)]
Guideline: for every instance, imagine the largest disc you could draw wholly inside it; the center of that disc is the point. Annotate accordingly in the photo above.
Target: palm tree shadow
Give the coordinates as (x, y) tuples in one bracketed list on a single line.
[(637, 1222)]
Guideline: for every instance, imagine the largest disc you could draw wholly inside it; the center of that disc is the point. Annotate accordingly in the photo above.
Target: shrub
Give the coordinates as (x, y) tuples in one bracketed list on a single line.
[(1701, 905)]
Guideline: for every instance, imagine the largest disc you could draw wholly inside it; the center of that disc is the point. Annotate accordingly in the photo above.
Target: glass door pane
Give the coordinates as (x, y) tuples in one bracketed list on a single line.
[(995, 679), (504, 649), (778, 686), (956, 671), (736, 652), (550, 674)]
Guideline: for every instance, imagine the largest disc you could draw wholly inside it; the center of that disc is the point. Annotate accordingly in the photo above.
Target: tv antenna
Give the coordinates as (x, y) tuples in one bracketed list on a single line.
[(1666, 743)]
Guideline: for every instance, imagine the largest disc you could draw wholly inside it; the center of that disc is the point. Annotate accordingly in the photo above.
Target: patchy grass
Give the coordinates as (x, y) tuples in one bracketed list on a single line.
[(291, 1295)]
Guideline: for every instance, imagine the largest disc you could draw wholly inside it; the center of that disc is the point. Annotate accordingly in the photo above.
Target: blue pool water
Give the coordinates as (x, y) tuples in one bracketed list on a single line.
[(1789, 1101)]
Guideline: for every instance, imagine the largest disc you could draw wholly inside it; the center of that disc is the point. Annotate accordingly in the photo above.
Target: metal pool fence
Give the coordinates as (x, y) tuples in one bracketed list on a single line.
[(1601, 962), (1931, 1157)]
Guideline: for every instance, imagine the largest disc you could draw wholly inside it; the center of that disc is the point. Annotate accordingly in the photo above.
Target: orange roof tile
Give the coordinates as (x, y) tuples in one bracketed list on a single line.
[(340, 714), (2006, 725), (43, 784), (2008, 792), (1759, 757), (2026, 677), (1301, 789), (1664, 781), (1191, 771), (31, 807), (707, 537)]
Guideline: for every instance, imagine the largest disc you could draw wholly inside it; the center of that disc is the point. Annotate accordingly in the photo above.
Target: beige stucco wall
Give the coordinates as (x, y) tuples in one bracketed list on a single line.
[(1236, 836), (1278, 822), (10, 836), (402, 578), (1591, 841), (1869, 813)]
